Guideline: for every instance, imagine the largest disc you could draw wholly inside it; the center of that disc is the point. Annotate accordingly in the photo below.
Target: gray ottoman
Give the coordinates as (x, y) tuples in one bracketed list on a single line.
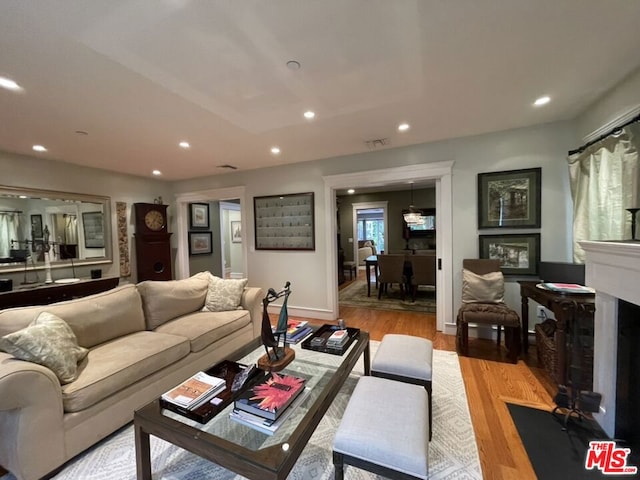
[(384, 430), (407, 359)]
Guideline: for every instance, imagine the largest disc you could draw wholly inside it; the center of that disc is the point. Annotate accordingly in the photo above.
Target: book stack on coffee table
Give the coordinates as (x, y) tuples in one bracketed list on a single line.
[(266, 405), (195, 391)]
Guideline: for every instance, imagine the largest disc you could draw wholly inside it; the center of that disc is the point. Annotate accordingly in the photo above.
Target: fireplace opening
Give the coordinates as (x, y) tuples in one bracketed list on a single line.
[(627, 425)]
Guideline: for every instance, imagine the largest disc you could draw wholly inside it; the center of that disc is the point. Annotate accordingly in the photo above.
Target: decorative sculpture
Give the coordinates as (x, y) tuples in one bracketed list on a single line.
[(278, 355)]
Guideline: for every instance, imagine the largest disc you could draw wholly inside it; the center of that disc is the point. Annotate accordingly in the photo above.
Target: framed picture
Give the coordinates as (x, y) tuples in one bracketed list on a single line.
[(284, 222), (199, 215), (200, 243), (509, 199), (93, 227), (236, 231), (519, 253)]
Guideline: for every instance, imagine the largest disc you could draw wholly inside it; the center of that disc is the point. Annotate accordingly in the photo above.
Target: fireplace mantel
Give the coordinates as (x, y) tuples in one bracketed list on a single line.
[(613, 270)]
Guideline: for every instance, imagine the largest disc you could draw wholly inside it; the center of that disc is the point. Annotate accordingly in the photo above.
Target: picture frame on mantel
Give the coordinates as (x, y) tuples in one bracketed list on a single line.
[(199, 216), (519, 253), (509, 199), (284, 222)]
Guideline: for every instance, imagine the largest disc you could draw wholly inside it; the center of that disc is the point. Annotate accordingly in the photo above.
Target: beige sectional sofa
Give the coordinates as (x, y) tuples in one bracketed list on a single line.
[(141, 340)]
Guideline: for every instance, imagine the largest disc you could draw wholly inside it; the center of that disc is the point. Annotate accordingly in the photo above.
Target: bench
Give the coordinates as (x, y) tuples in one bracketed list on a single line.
[(384, 430), (408, 359)]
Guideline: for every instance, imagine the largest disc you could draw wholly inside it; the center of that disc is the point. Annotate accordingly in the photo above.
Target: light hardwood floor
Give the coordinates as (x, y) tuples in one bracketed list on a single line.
[(490, 381)]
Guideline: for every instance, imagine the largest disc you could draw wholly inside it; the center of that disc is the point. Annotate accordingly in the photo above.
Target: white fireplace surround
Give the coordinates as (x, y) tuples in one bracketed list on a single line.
[(613, 269)]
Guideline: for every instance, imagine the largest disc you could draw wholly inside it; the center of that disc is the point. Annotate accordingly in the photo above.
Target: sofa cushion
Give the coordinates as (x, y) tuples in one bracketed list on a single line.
[(94, 319), (114, 365), (47, 341), (224, 294), (164, 300), (488, 288), (204, 328)]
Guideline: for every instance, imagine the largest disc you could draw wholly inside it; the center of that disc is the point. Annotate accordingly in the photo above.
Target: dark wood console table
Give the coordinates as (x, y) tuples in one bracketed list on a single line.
[(565, 308), (46, 293)]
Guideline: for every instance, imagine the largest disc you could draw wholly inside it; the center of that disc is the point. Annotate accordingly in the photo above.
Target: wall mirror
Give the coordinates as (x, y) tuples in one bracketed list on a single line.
[(74, 227)]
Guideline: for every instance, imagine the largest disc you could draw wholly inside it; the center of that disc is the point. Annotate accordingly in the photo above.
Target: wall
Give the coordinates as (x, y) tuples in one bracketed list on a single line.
[(397, 201), (543, 146), (30, 172)]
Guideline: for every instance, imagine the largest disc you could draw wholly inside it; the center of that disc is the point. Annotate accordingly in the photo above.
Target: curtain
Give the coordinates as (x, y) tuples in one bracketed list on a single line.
[(8, 229), (604, 183)]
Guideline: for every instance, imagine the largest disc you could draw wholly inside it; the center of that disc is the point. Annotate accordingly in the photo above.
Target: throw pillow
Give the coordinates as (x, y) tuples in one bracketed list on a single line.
[(47, 341), (488, 288), (224, 294)]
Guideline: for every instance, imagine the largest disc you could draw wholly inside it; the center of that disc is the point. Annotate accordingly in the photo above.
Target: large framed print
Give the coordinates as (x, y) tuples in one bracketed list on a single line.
[(509, 199), (519, 253), (284, 222), (200, 243), (93, 228), (199, 215)]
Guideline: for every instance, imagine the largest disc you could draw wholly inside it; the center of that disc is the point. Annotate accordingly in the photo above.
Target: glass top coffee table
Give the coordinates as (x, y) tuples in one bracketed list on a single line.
[(243, 449)]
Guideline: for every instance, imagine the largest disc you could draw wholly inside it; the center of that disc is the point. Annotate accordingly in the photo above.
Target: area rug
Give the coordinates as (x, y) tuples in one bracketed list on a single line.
[(453, 452), (355, 295), (553, 453)]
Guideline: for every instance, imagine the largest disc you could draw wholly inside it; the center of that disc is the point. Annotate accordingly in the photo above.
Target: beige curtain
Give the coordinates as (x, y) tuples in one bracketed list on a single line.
[(604, 183)]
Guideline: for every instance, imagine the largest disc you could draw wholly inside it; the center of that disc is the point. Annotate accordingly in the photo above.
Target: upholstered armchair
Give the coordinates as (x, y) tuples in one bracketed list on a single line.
[(483, 304), (366, 248)]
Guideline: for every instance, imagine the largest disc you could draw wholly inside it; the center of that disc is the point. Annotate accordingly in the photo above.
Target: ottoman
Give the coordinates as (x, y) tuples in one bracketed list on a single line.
[(384, 430), (407, 359)]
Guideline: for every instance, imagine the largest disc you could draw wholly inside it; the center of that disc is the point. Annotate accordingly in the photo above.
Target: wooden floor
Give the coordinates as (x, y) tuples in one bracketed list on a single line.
[(490, 381)]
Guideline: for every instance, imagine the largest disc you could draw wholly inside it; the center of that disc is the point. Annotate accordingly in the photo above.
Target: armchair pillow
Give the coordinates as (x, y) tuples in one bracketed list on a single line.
[(224, 294), (47, 341), (488, 288)]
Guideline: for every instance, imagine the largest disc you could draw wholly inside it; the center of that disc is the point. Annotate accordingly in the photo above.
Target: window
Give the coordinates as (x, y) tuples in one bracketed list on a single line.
[(371, 226)]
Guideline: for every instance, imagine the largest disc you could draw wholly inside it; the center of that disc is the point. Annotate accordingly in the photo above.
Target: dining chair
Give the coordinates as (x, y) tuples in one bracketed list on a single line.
[(423, 272), (391, 270)]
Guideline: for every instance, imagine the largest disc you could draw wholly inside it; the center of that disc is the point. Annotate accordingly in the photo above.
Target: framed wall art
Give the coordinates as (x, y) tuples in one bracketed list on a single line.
[(236, 231), (509, 199), (93, 227), (284, 222), (200, 243), (519, 253), (199, 215)]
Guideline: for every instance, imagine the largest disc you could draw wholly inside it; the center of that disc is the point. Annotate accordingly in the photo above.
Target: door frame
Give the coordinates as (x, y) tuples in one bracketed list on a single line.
[(440, 172), (361, 206)]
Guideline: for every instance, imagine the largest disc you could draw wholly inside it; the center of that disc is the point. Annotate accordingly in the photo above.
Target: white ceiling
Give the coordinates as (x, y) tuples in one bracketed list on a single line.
[(139, 76)]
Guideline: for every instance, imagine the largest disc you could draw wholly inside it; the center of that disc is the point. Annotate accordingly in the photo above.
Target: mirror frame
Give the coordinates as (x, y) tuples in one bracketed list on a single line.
[(65, 196)]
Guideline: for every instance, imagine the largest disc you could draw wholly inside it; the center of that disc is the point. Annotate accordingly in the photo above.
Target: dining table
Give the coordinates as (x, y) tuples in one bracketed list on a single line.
[(371, 261)]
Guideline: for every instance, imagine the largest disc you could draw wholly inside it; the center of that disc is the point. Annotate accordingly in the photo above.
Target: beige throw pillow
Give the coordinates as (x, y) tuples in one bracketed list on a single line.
[(488, 288), (224, 294), (47, 341)]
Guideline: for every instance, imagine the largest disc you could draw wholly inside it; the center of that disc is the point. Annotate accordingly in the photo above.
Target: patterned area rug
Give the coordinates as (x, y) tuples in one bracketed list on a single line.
[(453, 452), (355, 295)]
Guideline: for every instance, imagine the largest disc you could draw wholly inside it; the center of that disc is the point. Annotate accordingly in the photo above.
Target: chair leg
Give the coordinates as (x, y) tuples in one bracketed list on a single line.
[(380, 288), (499, 331)]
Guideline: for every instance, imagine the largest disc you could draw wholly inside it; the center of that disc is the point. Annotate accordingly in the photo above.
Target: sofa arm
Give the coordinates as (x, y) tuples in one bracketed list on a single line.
[(252, 301), (32, 439)]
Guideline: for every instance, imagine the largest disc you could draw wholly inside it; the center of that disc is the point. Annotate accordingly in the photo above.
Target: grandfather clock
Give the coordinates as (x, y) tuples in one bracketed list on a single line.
[(153, 247)]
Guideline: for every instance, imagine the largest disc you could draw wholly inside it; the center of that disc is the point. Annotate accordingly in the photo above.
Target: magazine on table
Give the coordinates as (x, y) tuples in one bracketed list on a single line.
[(300, 335), (194, 391), (565, 287), (270, 396), (264, 425)]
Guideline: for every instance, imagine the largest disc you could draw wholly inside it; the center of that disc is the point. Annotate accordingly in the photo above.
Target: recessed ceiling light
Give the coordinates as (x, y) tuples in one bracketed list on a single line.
[(82, 132), (542, 101), (403, 127), (39, 148), (275, 150), (157, 172), (309, 114), (184, 145), (351, 191), (293, 65), (9, 84)]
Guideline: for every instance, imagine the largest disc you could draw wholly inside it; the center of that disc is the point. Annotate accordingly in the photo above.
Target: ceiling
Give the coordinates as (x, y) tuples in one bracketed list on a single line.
[(137, 77)]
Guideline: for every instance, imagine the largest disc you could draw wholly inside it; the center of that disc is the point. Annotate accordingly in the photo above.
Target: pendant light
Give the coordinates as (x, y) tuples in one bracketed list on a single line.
[(413, 216)]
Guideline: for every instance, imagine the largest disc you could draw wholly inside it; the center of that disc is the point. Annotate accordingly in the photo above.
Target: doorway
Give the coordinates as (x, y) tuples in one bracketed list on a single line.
[(370, 222), (440, 173)]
